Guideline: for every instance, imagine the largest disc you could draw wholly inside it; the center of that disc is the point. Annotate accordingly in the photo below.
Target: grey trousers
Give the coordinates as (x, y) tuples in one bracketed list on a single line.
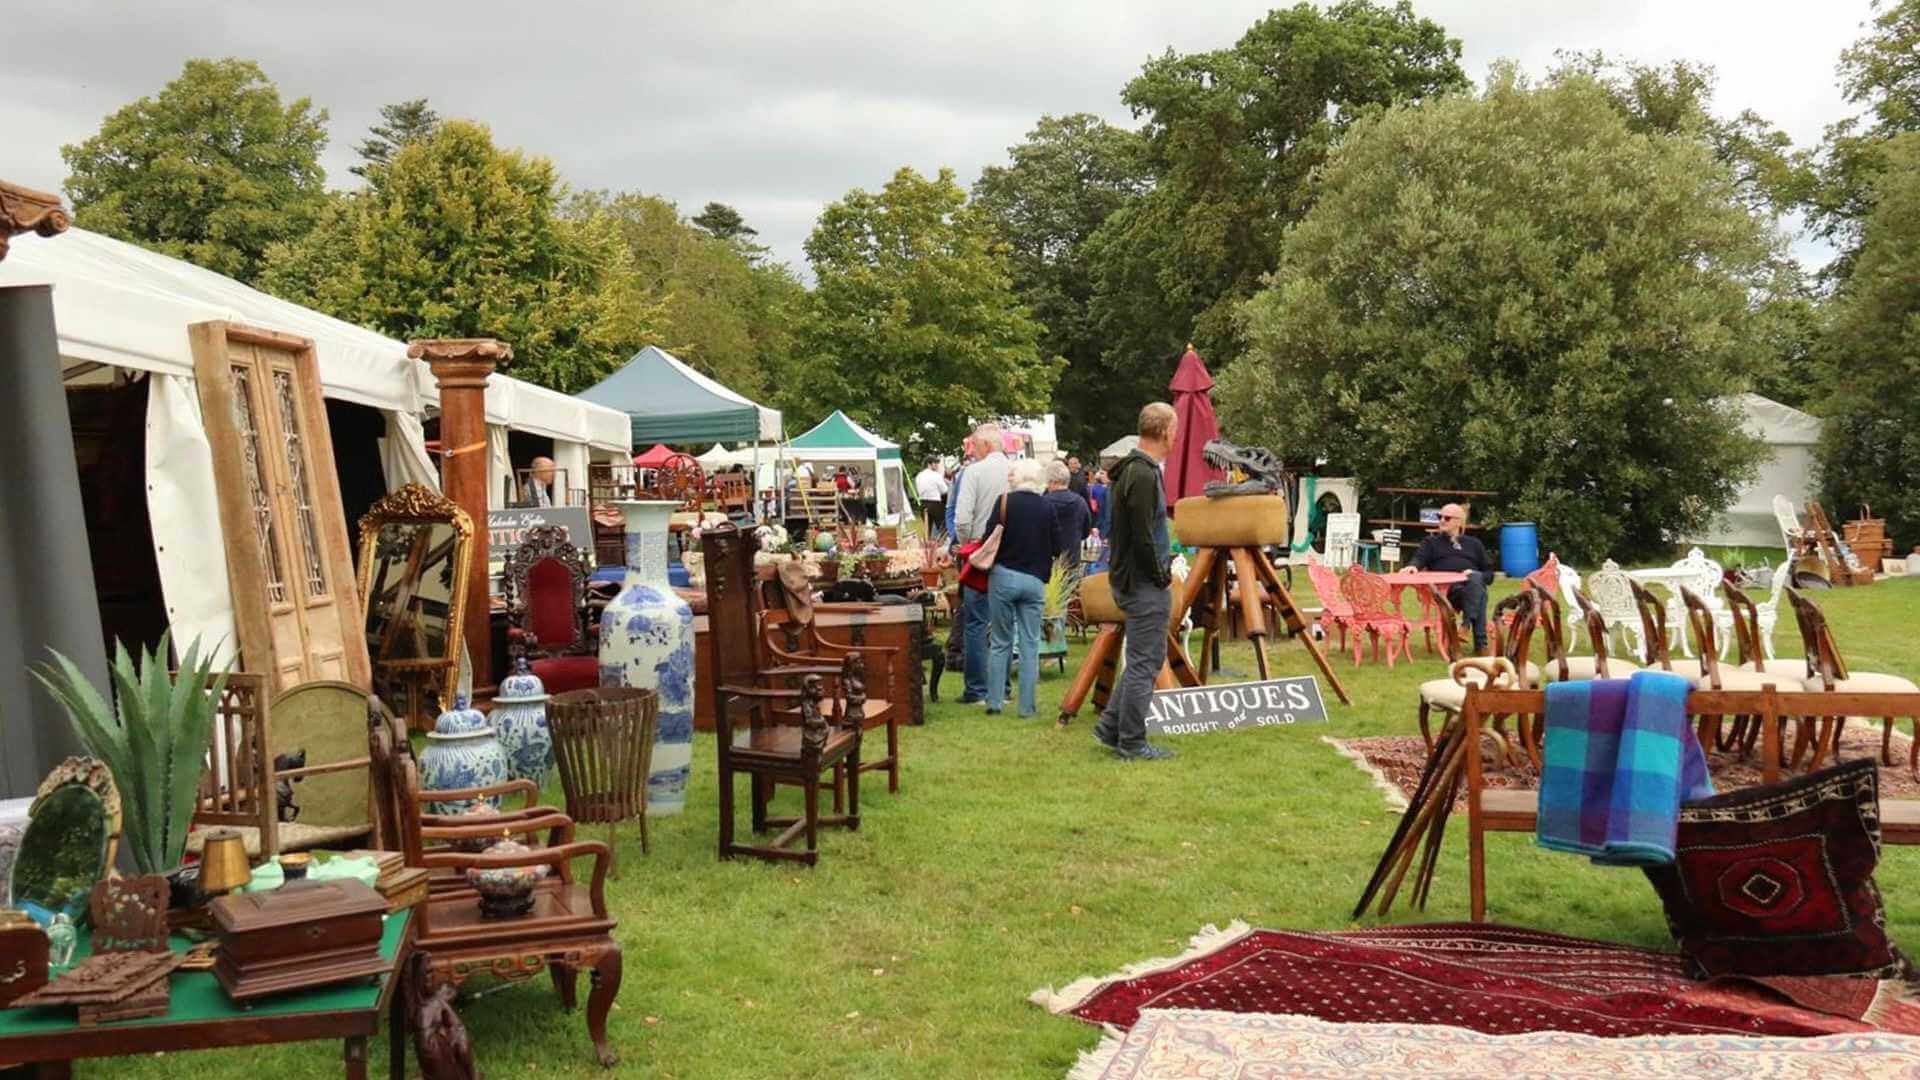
[(1124, 721)]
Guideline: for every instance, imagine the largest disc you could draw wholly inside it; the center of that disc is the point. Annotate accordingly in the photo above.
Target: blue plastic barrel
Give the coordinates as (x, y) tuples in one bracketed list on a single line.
[(1519, 549)]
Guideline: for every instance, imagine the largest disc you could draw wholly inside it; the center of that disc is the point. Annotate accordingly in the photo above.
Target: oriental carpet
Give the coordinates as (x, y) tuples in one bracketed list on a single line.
[(1171, 1043), (1492, 979)]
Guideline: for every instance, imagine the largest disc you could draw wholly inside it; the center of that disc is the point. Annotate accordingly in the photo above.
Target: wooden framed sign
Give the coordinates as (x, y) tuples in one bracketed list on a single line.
[(1208, 710)]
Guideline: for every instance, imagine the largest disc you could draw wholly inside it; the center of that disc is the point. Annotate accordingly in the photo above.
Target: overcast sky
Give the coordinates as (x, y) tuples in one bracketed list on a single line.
[(780, 107)]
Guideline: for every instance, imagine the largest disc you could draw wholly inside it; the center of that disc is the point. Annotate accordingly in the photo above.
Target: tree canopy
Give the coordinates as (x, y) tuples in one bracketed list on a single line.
[(1516, 292), (213, 169), (913, 328), (1870, 448), (400, 124), (463, 239)]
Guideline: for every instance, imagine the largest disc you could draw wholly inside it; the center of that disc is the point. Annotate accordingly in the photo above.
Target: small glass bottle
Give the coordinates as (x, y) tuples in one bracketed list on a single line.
[(62, 938)]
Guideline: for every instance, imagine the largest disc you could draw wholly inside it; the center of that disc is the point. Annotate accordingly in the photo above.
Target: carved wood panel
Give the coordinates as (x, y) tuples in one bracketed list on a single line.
[(289, 563)]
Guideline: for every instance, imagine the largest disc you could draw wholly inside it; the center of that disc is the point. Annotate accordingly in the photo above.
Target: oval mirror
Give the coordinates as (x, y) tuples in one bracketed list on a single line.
[(62, 853)]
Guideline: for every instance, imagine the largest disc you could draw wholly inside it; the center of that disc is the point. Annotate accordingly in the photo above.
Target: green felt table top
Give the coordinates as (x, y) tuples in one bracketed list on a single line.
[(197, 996)]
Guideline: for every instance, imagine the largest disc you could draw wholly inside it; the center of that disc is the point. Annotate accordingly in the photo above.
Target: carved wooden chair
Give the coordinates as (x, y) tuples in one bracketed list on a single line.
[(238, 787), (545, 589), (1708, 673), (768, 749), (791, 635), (603, 744), (569, 928), (1374, 612), (387, 740), (1446, 695), (1830, 674), (1602, 664), (1656, 650), (733, 496)]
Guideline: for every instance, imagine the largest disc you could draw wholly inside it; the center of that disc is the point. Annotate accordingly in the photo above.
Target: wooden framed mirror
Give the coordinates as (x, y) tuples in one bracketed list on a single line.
[(414, 564)]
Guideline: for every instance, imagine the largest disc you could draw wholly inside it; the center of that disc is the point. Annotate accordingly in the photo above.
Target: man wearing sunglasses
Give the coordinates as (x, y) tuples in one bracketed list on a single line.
[(1450, 548)]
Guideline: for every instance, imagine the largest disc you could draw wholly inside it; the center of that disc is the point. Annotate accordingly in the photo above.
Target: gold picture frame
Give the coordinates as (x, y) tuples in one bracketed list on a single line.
[(414, 569)]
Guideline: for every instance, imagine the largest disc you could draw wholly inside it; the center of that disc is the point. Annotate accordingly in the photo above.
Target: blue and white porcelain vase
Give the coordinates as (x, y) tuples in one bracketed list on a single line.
[(462, 751), (520, 718), (646, 640)]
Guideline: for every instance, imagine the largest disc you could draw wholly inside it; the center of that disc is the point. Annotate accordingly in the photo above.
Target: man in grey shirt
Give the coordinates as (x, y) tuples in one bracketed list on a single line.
[(985, 482)]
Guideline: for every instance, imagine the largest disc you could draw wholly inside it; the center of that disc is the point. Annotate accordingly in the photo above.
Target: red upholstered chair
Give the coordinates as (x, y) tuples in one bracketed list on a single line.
[(546, 580)]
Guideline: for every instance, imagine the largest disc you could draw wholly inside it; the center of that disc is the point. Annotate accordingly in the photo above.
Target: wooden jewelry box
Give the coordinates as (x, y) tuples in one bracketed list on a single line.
[(23, 956), (301, 935)]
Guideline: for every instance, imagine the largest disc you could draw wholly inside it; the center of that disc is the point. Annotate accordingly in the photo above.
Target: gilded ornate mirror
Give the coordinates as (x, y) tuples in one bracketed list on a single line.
[(69, 843), (413, 578)]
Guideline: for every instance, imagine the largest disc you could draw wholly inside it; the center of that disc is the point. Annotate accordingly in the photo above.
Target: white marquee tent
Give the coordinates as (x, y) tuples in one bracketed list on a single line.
[(1791, 436), (120, 306)]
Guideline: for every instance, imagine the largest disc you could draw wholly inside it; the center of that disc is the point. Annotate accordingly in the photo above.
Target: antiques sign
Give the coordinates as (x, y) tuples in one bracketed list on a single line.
[(1204, 710), (506, 528)]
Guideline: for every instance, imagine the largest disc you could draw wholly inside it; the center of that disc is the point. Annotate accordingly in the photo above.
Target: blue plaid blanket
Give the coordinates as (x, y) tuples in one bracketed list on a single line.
[(1619, 760)]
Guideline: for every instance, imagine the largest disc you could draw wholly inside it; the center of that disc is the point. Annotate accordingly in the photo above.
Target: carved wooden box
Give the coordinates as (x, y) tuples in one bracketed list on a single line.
[(298, 936), (23, 957)]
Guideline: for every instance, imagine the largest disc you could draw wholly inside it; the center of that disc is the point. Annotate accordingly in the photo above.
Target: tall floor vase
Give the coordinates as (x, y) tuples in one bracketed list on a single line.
[(646, 641)]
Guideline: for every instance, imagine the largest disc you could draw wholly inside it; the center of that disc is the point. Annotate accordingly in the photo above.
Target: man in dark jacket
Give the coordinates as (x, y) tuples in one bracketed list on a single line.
[(1077, 480), (1450, 548), (1140, 555)]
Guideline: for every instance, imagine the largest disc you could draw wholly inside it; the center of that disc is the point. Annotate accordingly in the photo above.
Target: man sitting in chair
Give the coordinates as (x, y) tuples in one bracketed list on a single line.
[(1449, 548)]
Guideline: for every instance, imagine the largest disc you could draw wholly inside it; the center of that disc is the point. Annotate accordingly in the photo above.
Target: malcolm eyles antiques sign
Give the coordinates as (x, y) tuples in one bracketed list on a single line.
[(1202, 710), (506, 528)]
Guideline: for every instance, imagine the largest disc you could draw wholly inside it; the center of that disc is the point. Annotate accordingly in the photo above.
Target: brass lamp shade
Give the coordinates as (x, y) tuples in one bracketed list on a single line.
[(223, 863)]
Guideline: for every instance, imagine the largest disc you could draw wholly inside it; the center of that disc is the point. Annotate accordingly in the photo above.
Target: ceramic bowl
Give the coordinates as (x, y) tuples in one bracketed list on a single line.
[(506, 892)]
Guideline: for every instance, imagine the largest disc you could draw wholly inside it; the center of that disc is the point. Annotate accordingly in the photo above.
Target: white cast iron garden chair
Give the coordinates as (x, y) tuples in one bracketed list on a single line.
[(1611, 593)]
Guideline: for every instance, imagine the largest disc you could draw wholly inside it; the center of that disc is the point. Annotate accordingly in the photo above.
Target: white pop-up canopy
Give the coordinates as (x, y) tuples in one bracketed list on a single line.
[(1791, 437), (117, 305)]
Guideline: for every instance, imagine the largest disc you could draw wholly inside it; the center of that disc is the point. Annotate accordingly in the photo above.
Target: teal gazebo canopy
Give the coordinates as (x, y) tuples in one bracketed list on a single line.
[(669, 402)]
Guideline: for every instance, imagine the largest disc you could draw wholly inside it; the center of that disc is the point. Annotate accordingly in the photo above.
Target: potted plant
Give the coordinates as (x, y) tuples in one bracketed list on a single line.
[(875, 561), (1062, 586), (849, 565), (932, 559), (155, 745)]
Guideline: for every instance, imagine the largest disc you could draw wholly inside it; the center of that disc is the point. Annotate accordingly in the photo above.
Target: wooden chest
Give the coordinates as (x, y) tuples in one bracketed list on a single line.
[(301, 935), (23, 956)]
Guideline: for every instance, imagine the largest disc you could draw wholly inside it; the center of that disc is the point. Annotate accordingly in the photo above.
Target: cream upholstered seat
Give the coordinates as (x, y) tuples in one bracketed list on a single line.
[(1448, 694), (1581, 668), (1865, 682)]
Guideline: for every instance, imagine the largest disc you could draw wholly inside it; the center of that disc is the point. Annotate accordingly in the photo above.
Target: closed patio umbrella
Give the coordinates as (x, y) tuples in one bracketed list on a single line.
[(1187, 471)]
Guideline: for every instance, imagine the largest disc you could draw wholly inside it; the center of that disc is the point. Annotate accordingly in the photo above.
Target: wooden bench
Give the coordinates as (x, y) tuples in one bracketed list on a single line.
[(1509, 810)]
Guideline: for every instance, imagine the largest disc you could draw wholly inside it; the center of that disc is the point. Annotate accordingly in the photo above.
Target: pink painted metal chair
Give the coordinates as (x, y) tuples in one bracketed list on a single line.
[(1374, 612), (1335, 612)]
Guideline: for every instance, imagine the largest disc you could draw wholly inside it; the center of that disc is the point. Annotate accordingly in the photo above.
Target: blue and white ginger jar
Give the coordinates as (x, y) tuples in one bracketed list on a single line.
[(520, 718), (462, 751), (646, 640)]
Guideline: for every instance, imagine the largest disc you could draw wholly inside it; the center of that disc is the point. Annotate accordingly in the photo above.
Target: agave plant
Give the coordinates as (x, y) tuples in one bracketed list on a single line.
[(156, 747)]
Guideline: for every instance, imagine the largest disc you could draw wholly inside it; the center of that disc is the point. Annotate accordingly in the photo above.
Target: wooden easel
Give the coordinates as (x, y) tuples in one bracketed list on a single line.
[(1208, 584)]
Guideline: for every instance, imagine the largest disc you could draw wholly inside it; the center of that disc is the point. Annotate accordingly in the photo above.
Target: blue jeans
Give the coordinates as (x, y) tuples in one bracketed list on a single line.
[(973, 624), (1124, 721), (1014, 599)]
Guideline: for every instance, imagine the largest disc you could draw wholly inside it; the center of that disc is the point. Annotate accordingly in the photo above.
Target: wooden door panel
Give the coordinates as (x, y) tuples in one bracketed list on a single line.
[(296, 607)]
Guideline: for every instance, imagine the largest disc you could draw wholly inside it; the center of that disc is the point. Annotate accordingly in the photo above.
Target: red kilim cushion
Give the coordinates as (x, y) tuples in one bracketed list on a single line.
[(1778, 880)]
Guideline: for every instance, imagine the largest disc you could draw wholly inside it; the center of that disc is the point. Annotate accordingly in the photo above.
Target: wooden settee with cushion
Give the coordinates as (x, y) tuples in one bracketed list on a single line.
[(1510, 810)]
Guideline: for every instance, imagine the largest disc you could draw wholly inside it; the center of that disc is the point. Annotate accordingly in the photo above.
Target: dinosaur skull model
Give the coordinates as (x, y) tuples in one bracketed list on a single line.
[(1264, 471)]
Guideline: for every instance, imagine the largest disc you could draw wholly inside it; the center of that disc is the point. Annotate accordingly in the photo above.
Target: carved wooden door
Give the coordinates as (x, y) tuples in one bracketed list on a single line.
[(290, 566)]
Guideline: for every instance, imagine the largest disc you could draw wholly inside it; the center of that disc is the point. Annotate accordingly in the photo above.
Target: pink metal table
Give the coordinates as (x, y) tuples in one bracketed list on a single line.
[(1426, 581)]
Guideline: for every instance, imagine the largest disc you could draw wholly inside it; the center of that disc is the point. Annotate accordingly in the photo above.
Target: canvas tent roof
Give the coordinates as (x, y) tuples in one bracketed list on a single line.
[(123, 306), (840, 438), (1791, 436), (1120, 448), (667, 401)]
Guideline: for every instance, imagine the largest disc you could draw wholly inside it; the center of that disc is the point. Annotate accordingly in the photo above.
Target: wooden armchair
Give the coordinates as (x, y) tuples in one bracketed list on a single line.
[(1753, 631), (1447, 695), (545, 590), (387, 741), (792, 636), (769, 750), (567, 930)]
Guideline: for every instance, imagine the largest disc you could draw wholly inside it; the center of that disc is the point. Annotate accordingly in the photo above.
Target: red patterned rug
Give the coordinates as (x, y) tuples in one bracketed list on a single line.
[(1496, 980)]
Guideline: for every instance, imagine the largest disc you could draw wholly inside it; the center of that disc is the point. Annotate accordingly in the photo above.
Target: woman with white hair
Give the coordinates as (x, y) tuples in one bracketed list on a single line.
[(1030, 539)]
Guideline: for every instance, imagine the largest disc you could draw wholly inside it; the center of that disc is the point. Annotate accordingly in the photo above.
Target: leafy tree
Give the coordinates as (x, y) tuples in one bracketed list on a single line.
[(724, 222), (213, 169), (913, 327), (1870, 444), (1233, 137), (1880, 72), (1516, 292), (462, 239), (721, 309), (1060, 186), (400, 124)]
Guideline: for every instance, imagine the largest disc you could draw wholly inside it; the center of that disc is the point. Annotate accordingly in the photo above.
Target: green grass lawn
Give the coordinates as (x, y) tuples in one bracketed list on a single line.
[(1017, 855)]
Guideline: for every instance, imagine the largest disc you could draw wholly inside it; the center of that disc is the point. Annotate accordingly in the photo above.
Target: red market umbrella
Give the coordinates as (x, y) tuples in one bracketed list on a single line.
[(1187, 471), (658, 456)]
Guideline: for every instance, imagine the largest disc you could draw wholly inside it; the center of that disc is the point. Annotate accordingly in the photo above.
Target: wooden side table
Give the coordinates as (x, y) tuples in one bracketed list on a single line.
[(202, 1017)]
